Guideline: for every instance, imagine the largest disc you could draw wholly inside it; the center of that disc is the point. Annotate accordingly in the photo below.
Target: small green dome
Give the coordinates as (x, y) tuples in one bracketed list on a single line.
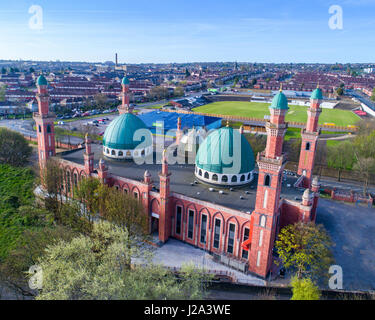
[(41, 81), (125, 80), (317, 94), (119, 134), (280, 101), (221, 144)]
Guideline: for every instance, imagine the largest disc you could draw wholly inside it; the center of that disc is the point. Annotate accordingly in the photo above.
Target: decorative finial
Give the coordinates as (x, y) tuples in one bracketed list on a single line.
[(317, 85), (227, 123), (281, 87)]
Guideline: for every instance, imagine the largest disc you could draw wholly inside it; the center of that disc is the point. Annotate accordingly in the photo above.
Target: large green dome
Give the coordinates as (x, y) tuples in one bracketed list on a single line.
[(119, 134), (224, 143), (280, 101)]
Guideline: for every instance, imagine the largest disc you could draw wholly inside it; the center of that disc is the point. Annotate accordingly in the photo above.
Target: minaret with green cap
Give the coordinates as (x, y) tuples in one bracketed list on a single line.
[(271, 163), (125, 97), (310, 137), (44, 120)]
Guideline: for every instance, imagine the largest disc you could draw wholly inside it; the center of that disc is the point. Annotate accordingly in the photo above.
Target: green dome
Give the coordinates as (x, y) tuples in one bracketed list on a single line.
[(125, 81), (219, 144), (280, 102), (41, 81), (119, 134), (317, 94)]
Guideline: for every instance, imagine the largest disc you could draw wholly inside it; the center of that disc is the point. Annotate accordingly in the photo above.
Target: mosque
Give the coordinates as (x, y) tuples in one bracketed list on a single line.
[(222, 202)]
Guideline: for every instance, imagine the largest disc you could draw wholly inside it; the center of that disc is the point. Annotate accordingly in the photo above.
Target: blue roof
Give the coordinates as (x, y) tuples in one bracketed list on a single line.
[(170, 119)]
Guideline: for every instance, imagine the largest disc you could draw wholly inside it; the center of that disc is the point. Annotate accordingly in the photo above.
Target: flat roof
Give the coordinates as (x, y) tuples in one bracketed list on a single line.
[(181, 179)]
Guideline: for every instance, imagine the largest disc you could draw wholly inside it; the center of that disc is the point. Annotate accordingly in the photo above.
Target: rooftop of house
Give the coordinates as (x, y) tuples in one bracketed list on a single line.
[(183, 181)]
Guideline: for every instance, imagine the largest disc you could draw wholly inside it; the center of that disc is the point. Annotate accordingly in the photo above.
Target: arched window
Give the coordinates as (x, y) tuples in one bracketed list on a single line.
[(113, 152), (263, 221), (307, 146), (215, 177), (48, 128), (125, 191), (206, 175), (267, 181), (242, 178), (249, 176), (234, 179), (120, 153), (200, 172), (143, 152), (224, 179), (68, 181), (75, 179)]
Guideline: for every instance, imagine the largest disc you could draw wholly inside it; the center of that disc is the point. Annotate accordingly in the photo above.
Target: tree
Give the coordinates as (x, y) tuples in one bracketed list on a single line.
[(2, 92), (340, 91), (304, 289), (29, 248), (123, 210), (257, 141), (87, 193), (364, 153), (187, 73), (14, 148), (101, 100), (304, 248), (341, 157), (104, 272), (321, 155), (179, 91)]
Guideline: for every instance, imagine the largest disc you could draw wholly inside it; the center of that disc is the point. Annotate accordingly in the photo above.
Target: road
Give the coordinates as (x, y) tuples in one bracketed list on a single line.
[(362, 98)]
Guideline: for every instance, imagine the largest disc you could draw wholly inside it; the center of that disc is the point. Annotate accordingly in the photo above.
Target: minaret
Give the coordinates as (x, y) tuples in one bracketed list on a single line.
[(88, 156), (271, 164), (310, 137), (125, 96), (103, 171), (164, 217), (44, 120), (179, 132)]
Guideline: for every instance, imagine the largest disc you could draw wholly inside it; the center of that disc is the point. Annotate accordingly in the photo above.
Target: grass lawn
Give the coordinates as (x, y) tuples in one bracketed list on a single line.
[(16, 189), (295, 113)]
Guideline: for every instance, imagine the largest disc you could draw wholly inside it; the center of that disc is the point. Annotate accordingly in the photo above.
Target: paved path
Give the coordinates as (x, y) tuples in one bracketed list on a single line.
[(352, 229), (175, 253)]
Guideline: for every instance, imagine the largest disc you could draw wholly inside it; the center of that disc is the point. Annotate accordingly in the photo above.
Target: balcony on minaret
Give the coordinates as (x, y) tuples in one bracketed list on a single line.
[(43, 116), (278, 161)]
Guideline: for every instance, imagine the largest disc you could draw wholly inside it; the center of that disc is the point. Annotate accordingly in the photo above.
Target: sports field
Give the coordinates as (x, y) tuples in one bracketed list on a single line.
[(259, 110)]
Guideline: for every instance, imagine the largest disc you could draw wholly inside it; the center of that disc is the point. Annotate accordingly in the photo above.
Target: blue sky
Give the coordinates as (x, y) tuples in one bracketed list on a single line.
[(161, 31)]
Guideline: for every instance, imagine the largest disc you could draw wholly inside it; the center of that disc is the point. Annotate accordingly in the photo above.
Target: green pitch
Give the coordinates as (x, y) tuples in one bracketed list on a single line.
[(295, 113)]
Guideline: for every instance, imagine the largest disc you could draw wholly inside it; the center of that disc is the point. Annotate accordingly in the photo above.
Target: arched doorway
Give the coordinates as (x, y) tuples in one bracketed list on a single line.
[(154, 218)]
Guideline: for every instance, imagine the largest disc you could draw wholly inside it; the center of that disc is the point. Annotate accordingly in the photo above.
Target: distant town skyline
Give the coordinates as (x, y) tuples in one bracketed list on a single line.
[(180, 32)]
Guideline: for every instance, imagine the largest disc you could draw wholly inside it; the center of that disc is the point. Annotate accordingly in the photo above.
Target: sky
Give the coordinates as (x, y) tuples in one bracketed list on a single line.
[(150, 31)]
